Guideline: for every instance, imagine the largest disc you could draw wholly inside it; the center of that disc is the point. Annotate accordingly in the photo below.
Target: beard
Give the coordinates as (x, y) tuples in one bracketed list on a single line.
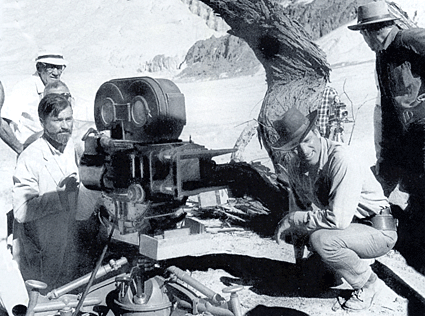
[(61, 138)]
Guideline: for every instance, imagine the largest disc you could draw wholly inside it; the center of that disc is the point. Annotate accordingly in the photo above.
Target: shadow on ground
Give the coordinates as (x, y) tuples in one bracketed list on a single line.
[(416, 305), (266, 276), (275, 278), (262, 310)]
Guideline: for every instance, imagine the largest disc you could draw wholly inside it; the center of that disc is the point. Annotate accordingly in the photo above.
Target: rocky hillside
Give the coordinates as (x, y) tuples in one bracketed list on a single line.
[(146, 36), (323, 16), (229, 57), (202, 10), (98, 35), (215, 57)]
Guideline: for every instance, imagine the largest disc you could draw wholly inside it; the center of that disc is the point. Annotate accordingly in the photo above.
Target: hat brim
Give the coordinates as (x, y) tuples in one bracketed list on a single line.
[(281, 145), (52, 61), (359, 26)]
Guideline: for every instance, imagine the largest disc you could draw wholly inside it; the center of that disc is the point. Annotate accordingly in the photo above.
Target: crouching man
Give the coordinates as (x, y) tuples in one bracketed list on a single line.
[(340, 205)]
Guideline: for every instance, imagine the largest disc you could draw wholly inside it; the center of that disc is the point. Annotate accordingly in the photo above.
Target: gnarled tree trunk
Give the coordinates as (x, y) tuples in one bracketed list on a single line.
[(296, 68)]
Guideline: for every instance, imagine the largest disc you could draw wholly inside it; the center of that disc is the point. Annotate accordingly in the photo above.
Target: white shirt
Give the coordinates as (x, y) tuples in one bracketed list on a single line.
[(21, 106)]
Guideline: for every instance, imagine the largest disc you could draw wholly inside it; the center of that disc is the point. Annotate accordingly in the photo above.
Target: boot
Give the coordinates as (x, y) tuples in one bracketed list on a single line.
[(362, 298)]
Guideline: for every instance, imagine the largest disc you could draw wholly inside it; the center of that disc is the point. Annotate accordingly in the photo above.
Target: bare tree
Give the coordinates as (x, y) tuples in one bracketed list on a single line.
[(296, 68)]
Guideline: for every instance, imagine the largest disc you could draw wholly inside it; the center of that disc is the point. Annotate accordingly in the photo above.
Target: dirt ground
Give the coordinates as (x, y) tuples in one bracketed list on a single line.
[(274, 285)]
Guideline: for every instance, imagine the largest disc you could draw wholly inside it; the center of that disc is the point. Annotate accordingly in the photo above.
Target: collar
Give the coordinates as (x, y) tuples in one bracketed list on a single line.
[(390, 37)]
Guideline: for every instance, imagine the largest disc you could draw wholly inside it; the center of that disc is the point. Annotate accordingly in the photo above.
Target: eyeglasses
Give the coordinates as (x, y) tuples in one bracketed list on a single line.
[(51, 67)]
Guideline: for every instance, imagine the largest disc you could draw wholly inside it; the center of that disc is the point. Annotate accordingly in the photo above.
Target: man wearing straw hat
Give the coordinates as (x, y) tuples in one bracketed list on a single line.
[(19, 118), (339, 205), (400, 67)]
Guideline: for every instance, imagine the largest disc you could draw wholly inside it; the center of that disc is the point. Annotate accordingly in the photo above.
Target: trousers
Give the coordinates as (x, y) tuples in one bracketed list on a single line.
[(344, 250)]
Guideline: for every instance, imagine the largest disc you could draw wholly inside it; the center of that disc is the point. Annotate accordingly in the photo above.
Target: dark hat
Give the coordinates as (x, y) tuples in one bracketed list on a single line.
[(292, 127), (372, 13)]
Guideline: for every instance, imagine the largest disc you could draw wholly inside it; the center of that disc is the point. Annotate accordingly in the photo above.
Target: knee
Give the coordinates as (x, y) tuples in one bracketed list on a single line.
[(323, 243)]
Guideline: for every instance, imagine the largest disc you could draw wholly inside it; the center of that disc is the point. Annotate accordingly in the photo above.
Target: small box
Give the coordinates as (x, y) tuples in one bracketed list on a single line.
[(188, 240), (213, 198)]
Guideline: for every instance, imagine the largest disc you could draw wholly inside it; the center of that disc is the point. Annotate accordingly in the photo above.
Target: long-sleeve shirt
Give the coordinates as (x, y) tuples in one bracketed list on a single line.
[(341, 189), (21, 106), (43, 229)]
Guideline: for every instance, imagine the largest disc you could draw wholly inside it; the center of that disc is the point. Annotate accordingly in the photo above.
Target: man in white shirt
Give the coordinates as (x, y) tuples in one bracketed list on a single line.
[(45, 195), (18, 117)]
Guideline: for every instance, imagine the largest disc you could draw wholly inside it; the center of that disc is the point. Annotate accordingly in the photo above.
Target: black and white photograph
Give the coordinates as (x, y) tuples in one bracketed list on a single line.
[(212, 157)]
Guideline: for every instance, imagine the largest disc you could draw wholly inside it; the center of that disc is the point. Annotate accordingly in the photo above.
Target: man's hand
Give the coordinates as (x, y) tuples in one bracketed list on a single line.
[(284, 228), (66, 186), (68, 183)]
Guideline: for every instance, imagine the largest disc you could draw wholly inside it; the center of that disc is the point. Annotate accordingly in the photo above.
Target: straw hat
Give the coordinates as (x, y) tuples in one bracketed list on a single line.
[(292, 127), (372, 13)]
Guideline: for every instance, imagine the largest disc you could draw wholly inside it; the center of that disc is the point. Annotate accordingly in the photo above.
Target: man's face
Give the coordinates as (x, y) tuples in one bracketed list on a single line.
[(49, 72), (309, 149), (59, 128), (372, 39)]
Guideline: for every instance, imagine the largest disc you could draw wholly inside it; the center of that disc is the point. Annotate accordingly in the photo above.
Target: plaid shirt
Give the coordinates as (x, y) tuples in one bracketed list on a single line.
[(326, 111)]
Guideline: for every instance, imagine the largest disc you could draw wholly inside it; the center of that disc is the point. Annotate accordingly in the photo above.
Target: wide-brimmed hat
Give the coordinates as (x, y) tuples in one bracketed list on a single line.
[(372, 13), (50, 55), (292, 127)]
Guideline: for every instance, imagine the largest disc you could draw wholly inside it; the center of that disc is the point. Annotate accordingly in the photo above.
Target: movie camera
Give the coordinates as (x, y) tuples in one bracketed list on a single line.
[(338, 116), (145, 174), (341, 112), (142, 168)]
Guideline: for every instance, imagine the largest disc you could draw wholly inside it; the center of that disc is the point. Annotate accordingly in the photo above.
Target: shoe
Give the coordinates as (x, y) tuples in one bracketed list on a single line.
[(363, 298)]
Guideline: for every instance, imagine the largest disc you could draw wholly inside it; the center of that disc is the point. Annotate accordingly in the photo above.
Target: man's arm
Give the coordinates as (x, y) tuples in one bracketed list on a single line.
[(6, 133), (345, 190), (29, 203), (414, 39)]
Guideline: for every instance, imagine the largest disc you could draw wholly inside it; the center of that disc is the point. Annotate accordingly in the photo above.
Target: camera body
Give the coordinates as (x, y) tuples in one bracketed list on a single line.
[(341, 111), (135, 157)]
